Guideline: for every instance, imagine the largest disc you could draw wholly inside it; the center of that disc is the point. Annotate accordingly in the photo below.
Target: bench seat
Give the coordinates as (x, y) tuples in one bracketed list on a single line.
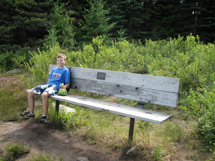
[(120, 109)]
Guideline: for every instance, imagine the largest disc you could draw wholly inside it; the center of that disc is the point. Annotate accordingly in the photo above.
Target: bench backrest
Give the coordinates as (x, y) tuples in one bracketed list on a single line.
[(139, 87)]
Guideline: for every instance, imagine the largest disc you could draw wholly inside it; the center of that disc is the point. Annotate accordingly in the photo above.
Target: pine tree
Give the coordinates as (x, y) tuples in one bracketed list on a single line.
[(118, 16), (61, 29), (205, 17), (7, 27), (96, 21), (166, 19), (78, 8), (31, 20), (135, 19)]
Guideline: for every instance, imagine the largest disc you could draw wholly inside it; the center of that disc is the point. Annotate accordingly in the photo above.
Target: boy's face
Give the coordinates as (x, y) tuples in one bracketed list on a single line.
[(61, 62)]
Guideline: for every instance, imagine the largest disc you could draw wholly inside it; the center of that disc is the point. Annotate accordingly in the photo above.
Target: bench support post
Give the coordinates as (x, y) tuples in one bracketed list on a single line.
[(132, 120), (57, 106), (131, 129)]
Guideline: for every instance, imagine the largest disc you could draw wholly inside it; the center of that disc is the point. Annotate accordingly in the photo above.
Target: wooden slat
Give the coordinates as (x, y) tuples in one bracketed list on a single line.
[(144, 88), (123, 110), (129, 79), (128, 92)]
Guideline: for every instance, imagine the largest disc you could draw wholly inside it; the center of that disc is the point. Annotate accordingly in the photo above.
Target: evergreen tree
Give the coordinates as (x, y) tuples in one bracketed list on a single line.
[(96, 21), (166, 19), (7, 27), (31, 20), (78, 8), (185, 21), (135, 19), (61, 27), (118, 16), (205, 17)]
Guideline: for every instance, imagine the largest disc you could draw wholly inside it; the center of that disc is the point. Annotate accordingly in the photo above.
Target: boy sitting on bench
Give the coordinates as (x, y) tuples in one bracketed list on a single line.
[(59, 80)]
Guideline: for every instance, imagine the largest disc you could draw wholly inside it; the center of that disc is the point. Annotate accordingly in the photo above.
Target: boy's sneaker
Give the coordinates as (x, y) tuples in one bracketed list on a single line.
[(27, 115), (44, 119)]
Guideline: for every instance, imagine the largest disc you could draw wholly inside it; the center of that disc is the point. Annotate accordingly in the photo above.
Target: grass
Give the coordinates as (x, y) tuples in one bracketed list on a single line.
[(13, 151), (171, 132), (13, 98), (45, 157)]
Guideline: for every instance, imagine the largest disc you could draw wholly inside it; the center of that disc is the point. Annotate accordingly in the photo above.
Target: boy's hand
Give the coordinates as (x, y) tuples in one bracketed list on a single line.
[(62, 86)]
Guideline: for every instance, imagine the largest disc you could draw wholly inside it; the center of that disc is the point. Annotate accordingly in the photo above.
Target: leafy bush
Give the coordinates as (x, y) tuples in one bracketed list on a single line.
[(5, 61), (205, 129), (13, 59)]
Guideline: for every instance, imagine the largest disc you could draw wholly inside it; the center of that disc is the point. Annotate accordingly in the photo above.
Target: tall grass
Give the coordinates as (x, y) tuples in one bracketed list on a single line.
[(45, 157), (13, 99), (14, 151)]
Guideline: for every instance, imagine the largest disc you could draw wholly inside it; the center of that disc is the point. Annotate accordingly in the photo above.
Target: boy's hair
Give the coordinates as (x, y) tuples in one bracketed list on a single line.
[(60, 55)]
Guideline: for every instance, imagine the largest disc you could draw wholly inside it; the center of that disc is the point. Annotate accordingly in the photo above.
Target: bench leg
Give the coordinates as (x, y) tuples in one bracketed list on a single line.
[(57, 106), (131, 129)]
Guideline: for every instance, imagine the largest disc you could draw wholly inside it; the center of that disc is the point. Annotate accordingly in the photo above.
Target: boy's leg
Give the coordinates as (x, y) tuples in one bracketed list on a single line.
[(31, 103), (30, 113), (45, 103)]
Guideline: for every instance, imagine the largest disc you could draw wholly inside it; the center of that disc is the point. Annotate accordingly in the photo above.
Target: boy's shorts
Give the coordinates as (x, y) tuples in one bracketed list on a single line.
[(50, 89)]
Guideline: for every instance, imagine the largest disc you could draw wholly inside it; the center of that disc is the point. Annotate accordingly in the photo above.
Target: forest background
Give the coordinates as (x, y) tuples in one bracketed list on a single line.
[(158, 37)]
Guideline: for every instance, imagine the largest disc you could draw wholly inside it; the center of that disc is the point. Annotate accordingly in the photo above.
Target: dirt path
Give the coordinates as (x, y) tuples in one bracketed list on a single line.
[(54, 142)]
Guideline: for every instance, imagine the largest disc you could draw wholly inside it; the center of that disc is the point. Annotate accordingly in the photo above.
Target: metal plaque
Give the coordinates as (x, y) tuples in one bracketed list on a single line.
[(101, 75)]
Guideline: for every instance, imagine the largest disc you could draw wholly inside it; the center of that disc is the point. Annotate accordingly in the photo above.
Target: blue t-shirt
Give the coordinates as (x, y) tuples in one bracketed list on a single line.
[(59, 76)]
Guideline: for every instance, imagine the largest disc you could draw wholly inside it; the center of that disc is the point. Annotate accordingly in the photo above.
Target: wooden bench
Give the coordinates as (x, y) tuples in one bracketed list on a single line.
[(139, 87)]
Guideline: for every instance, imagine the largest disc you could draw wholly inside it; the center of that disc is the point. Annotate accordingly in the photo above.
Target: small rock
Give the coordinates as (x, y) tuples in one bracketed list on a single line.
[(168, 158), (133, 149), (82, 159), (16, 71), (66, 109)]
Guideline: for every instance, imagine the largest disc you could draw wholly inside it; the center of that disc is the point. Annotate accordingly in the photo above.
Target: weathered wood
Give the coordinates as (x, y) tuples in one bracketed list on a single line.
[(123, 110), (144, 88)]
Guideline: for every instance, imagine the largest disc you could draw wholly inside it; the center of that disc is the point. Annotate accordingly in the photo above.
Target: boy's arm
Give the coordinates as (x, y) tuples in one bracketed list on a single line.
[(66, 85)]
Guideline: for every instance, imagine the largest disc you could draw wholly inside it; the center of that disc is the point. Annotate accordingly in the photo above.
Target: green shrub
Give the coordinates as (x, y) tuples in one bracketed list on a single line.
[(206, 123), (158, 154), (21, 57), (13, 59), (201, 104), (5, 61)]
